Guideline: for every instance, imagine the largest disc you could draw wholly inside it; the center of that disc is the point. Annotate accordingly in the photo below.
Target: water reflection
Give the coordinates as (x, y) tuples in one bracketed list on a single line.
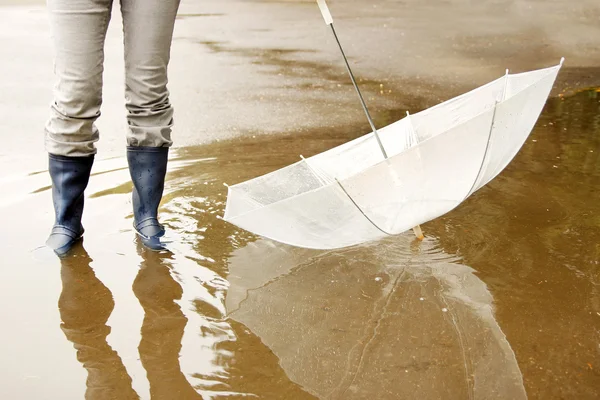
[(220, 356), (389, 318), (85, 305), (163, 326), (189, 348)]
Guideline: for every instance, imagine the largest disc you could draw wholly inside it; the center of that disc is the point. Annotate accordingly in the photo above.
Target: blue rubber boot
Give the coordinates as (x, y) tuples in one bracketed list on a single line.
[(70, 177), (148, 168)]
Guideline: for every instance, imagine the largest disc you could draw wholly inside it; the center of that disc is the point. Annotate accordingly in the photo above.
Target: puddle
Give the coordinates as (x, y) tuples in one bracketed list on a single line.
[(500, 300)]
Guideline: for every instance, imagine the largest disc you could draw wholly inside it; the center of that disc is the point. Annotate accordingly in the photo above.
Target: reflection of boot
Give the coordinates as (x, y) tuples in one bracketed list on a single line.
[(85, 305), (148, 167), (162, 329), (70, 176)]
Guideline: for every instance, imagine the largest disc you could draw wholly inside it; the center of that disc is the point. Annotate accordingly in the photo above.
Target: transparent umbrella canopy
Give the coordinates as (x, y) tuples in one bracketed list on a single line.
[(398, 177)]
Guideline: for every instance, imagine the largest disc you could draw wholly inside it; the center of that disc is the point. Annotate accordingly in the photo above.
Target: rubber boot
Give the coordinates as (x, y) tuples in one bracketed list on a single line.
[(70, 177), (148, 168)]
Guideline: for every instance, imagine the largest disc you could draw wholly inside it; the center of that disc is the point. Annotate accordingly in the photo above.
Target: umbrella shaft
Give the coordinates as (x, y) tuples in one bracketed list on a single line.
[(362, 101)]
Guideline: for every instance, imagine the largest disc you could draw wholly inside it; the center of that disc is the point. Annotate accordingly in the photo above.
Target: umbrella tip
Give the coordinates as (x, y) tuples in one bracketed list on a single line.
[(562, 60), (302, 157), (226, 185), (418, 232), (506, 71), (407, 113)]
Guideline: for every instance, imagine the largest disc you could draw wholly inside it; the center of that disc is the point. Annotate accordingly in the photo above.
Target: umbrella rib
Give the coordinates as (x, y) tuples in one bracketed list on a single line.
[(361, 211), (487, 147), (320, 175)]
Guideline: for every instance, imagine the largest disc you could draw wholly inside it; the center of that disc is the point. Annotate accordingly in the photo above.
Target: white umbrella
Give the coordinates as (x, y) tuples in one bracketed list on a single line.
[(395, 178)]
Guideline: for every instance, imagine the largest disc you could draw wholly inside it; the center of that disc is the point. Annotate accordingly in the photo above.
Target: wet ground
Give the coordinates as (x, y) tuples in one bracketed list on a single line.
[(501, 300)]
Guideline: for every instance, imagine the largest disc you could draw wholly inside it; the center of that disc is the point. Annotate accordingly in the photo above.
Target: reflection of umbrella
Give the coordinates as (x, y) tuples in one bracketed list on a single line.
[(405, 174), (381, 321)]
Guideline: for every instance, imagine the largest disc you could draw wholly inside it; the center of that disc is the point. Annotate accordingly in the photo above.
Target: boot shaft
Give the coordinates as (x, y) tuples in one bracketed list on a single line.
[(70, 177), (148, 168)]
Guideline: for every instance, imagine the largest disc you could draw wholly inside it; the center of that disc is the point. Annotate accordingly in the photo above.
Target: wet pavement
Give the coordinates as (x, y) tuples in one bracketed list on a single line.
[(500, 301)]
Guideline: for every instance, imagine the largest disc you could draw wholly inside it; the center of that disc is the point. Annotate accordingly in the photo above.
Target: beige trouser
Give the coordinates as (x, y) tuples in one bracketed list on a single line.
[(79, 31)]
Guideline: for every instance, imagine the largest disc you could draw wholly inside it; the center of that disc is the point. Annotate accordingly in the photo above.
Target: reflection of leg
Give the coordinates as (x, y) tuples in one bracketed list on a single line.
[(162, 329), (85, 305)]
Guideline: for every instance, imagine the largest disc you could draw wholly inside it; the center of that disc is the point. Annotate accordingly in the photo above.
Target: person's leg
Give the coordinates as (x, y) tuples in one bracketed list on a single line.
[(78, 30), (148, 32)]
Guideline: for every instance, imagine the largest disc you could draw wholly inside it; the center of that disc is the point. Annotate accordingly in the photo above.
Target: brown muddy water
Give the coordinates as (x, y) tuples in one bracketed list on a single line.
[(500, 301)]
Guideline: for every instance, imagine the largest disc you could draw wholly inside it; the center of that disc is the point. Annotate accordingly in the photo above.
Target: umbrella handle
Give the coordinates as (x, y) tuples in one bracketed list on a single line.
[(325, 11), (329, 21)]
